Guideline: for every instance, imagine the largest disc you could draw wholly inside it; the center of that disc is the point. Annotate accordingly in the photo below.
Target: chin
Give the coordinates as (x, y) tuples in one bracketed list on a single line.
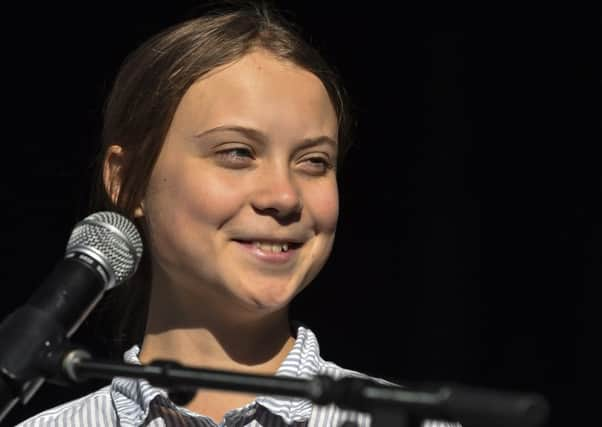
[(262, 293), (268, 301)]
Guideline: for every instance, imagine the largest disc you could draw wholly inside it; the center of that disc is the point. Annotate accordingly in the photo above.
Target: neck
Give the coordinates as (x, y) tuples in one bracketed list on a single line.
[(214, 336)]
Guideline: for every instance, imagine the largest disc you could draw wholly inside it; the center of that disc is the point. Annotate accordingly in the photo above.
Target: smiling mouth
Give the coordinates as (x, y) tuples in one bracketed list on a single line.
[(271, 246)]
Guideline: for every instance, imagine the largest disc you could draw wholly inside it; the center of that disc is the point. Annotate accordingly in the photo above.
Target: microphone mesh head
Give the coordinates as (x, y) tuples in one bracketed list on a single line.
[(113, 237)]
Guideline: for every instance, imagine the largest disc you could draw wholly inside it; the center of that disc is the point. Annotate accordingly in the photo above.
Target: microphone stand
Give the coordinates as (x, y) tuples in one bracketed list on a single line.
[(388, 405)]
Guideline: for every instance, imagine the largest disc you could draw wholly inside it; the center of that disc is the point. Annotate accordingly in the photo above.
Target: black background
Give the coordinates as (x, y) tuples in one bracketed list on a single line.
[(470, 238)]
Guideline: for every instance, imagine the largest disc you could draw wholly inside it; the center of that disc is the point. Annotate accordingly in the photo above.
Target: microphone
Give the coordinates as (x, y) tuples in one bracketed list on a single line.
[(103, 251)]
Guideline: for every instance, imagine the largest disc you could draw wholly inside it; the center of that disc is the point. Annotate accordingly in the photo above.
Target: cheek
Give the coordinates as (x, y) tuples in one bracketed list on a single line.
[(211, 200), (184, 211), (323, 202), (189, 190)]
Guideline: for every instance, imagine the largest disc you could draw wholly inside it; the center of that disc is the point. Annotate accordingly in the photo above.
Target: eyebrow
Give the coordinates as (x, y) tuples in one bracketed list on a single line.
[(260, 136)]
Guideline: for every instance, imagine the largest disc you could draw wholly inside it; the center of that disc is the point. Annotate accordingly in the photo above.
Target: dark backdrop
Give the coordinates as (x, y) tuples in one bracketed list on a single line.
[(470, 237)]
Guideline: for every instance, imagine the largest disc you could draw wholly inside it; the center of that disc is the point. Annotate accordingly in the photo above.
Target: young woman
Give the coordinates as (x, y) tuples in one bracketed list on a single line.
[(222, 137)]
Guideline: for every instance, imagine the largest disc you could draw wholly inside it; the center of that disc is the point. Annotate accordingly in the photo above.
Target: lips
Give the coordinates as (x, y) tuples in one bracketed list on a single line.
[(271, 251), (274, 245)]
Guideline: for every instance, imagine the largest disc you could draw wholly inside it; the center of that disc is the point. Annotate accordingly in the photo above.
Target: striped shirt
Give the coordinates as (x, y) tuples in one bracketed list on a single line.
[(129, 402)]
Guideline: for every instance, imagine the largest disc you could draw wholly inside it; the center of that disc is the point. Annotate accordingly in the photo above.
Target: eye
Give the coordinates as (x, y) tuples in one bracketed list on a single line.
[(235, 156), (317, 165)]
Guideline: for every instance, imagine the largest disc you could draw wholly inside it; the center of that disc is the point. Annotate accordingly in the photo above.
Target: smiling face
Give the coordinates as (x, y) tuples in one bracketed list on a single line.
[(242, 205)]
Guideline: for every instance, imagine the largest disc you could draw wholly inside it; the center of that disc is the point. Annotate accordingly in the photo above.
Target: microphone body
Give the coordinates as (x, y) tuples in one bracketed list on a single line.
[(103, 251)]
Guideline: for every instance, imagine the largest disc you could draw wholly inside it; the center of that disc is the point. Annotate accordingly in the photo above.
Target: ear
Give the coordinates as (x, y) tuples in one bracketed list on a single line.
[(111, 171), (111, 174), (139, 211)]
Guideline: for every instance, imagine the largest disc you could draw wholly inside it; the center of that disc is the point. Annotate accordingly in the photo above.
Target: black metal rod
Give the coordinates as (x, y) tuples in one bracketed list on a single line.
[(170, 375), (470, 406), (319, 389)]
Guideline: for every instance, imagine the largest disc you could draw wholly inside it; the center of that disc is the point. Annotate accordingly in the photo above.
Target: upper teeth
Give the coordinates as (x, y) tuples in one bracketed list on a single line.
[(272, 247)]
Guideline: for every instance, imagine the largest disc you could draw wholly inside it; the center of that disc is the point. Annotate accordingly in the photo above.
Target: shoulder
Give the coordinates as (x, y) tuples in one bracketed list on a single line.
[(333, 370), (311, 363), (94, 410), (332, 415), (311, 359)]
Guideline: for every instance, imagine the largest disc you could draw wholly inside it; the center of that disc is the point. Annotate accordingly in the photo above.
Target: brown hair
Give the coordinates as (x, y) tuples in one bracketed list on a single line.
[(142, 103)]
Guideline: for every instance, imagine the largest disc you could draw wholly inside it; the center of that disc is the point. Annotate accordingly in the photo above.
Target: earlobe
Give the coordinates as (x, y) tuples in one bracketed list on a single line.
[(139, 211), (112, 166)]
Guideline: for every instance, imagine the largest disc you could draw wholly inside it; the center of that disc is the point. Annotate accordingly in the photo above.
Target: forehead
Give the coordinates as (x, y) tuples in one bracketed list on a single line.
[(262, 91)]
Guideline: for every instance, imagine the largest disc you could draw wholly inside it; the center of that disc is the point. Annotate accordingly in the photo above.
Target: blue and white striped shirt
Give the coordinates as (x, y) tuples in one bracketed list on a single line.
[(129, 402)]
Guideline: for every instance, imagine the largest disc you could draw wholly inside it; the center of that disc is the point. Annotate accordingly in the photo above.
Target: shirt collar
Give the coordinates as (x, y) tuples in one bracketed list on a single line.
[(133, 397)]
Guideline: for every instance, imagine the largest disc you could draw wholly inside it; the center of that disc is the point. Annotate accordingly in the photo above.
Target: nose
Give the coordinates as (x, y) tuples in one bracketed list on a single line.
[(278, 195)]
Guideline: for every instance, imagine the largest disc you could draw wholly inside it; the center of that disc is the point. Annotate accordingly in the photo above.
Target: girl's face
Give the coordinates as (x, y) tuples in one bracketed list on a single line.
[(242, 204)]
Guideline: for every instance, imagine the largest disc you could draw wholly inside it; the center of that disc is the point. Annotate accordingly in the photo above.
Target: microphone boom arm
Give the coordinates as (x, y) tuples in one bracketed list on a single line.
[(467, 405)]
